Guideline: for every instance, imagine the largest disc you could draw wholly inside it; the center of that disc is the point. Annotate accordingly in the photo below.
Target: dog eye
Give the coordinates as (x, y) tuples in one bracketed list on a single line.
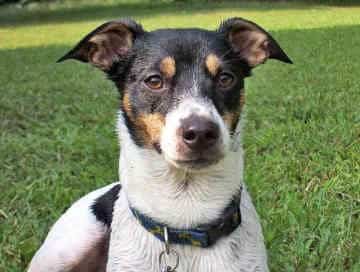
[(154, 82), (226, 80)]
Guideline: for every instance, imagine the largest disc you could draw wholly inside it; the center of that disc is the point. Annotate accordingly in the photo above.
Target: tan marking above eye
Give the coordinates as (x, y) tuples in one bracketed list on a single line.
[(212, 63), (168, 67)]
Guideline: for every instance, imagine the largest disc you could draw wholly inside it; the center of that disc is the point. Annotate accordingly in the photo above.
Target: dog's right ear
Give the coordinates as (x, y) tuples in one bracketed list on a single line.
[(107, 44)]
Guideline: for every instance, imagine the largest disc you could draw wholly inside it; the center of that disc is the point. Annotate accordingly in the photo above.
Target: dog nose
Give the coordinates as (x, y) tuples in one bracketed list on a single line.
[(199, 133)]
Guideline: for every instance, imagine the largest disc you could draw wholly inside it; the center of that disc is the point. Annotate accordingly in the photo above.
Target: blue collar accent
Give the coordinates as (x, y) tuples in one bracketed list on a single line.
[(201, 236)]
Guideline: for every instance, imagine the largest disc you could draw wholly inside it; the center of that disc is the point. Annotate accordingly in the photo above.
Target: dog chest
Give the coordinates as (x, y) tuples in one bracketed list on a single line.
[(132, 248)]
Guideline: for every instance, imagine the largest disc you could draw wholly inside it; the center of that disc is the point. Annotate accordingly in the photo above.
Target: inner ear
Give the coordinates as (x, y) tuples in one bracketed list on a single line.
[(252, 43), (107, 44)]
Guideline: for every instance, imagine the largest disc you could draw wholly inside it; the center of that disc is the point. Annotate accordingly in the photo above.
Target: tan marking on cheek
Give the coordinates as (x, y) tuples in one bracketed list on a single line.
[(231, 118), (168, 67), (212, 63), (150, 126), (126, 104), (242, 100)]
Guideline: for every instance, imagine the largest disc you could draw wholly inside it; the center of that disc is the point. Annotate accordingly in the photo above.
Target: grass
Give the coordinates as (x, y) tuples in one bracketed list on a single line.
[(302, 141)]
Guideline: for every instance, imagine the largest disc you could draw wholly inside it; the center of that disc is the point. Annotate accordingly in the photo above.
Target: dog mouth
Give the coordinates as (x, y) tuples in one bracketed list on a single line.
[(157, 147), (196, 163), (191, 163)]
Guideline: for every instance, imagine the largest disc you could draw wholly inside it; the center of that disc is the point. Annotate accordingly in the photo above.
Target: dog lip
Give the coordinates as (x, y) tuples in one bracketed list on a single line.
[(196, 163), (199, 160), (157, 147)]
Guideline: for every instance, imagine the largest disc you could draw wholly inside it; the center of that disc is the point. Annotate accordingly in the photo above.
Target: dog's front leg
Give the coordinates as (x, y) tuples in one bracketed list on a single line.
[(78, 241)]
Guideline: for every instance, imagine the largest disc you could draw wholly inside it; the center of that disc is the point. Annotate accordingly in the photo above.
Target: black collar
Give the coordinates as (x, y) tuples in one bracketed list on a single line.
[(201, 236)]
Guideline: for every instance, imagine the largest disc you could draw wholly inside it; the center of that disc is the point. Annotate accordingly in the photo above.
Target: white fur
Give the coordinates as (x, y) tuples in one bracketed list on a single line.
[(181, 199), (71, 237)]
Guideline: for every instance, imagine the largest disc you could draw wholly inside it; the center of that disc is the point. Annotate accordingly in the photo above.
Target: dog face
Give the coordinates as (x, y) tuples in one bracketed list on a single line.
[(182, 90)]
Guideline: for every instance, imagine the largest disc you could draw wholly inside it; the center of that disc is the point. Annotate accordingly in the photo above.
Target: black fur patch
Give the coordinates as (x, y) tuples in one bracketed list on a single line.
[(104, 206)]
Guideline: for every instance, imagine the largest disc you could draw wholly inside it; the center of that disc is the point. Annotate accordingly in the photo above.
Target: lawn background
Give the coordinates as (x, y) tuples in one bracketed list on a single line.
[(58, 142)]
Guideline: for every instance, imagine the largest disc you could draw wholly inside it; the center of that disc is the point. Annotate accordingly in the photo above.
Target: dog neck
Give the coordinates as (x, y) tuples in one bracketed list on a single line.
[(176, 197)]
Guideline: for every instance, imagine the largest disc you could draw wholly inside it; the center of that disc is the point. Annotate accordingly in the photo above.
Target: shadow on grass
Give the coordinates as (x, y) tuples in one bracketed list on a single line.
[(78, 14)]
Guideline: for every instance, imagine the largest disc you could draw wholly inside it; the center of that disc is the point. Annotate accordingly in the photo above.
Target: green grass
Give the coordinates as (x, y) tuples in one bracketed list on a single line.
[(57, 139)]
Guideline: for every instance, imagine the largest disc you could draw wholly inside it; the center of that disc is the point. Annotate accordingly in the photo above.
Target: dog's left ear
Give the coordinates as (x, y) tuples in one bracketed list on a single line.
[(107, 44), (252, 43)]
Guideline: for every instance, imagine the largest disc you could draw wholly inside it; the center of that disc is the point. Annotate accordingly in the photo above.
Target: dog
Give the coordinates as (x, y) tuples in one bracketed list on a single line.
[(182, 204)]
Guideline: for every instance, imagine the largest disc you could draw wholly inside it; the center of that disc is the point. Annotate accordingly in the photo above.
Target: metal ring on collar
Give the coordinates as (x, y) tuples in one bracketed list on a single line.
[(163, 262)]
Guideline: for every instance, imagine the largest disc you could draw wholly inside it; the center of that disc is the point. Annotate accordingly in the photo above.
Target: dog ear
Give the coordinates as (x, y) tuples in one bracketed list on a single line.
[(107, 44), (252, 43)]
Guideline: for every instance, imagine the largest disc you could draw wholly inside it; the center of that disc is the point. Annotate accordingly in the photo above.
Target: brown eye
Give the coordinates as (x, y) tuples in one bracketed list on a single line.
[(154, 82), (226, 80)]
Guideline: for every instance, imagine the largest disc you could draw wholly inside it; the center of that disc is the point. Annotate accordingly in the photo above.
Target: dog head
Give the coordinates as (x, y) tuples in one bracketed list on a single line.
[(182, 90)]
